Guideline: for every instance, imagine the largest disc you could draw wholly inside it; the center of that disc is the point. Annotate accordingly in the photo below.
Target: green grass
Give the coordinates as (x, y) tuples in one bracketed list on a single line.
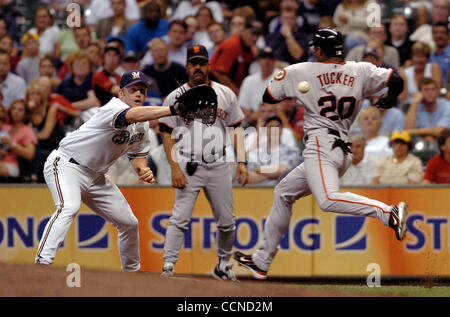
[(388, 290)]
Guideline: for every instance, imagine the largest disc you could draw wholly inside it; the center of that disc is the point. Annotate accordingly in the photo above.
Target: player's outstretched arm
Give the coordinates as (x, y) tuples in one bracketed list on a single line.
[(146, 113)]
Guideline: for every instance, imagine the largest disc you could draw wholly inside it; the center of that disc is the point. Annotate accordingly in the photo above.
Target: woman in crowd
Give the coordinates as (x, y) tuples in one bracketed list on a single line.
[(21, 143)]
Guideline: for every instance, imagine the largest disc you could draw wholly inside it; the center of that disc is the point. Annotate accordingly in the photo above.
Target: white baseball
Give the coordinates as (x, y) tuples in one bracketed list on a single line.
[(303, 87)]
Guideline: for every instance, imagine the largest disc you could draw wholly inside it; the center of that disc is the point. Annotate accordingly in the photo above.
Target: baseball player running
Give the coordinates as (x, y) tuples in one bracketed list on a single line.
[(331, 105), (75, 172), (195, 165)]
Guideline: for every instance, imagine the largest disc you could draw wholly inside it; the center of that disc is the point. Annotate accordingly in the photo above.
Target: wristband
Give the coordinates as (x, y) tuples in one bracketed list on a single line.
[(173, 112)]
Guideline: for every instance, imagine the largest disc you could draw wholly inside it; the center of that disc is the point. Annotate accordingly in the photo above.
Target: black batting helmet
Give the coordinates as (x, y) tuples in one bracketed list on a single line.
[(330, 41)]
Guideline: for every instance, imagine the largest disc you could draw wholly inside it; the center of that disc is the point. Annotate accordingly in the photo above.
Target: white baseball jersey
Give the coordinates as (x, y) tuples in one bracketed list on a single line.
[(228, 114), (97, 144), (336, 89)]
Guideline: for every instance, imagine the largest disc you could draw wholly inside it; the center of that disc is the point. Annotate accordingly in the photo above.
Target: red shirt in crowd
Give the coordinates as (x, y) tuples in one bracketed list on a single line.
[(102, 82), (438, 170), (231, 57), (61, 100)]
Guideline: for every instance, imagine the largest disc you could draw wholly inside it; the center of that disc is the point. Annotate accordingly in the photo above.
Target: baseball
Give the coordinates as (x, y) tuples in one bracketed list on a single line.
[(303, 87)]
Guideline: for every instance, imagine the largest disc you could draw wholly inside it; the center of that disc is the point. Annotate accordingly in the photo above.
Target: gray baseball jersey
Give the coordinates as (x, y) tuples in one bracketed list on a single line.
[(214, 177), (331, 105)]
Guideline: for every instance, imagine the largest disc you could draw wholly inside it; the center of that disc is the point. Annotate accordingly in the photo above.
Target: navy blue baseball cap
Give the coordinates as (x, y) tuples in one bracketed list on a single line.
[(132, 77)]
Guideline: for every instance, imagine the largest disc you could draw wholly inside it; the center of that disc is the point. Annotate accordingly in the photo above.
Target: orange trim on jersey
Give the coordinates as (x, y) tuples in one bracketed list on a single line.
[(58, 211), (325, 189), (389, 77), (270, 94)]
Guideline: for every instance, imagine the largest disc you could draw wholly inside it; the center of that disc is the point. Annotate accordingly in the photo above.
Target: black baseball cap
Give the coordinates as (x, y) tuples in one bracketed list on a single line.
[(112, 48), (132, 77), (266, 52), (369, 51), (130, 56), (197, 52)]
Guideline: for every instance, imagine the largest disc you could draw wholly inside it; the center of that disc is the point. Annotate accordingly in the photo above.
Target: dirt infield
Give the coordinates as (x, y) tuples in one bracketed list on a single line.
[(41, 281)]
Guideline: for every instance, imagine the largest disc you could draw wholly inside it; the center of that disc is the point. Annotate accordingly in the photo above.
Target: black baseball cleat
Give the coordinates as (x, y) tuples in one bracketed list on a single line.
[(227, 275), (247, 262), (397, 220)]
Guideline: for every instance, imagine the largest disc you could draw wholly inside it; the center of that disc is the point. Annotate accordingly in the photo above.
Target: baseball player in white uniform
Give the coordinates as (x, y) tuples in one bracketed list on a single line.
[(75, 172), (196, 166), (336, 89)]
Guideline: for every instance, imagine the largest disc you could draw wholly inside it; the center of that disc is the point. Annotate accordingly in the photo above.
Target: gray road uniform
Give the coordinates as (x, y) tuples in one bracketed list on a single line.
[(202, 158), (331, 105), (75, 173)]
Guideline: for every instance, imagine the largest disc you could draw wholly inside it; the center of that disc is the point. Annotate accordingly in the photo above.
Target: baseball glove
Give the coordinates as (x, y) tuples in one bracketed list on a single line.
[(386, 102), (198, 102)]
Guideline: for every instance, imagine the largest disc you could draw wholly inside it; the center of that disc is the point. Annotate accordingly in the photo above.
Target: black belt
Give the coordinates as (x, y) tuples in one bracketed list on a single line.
[(345, 146), (197, 158), (71, 160), (330, 131)]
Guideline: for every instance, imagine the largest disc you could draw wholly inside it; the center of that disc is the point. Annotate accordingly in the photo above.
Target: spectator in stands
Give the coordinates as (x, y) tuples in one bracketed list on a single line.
[(370, 121), (47, 31), (70, 40), (374, 53), (231, 61), (7, 45), (12, 86), (150, 26), (393, 118), (292, 116), (363, 164), (176, 43), (217, 34), (47, 68), (192, 26), (390, 56), (437, 170), (256, 138), (312, 11), (421, 67), (3, 27), (398, 30), (290, 45), (253, 85), (95, 51), (441, 55), (423, 32), (66, 112), (105, 81), (204, 17), (239, 17), (275, 24), (3, 148), (78, 87), (28, 67), (48, 131), (100, 9), (22, 143), (191, 7), (117, 24), (129, 62), (267, 165), (401, 167), (167, 74), (350, 18), (428, 116)]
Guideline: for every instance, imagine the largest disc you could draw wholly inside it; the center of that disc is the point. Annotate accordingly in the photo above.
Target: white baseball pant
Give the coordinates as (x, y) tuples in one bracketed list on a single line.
[(71, 184)]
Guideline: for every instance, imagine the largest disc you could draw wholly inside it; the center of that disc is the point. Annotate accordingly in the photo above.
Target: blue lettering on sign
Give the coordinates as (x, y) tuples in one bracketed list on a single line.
[(92, 232), (349, 234), (413, 225), (156, 224), (14, 226), (1, 232), (314, 238), (208, 233)]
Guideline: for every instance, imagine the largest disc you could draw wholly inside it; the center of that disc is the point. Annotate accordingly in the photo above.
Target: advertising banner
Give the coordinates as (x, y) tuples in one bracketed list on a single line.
[(316, 244)]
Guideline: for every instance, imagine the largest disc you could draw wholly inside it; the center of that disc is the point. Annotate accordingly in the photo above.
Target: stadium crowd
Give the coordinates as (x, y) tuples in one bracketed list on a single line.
[(54, 76)]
